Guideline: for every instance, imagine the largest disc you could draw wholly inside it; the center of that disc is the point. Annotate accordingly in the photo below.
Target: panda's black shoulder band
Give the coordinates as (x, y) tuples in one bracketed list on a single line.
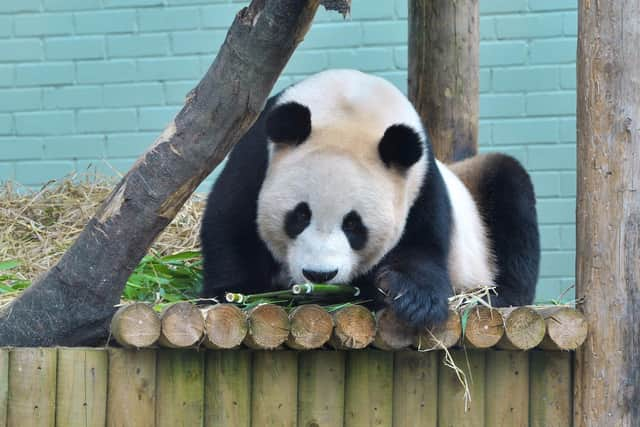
[(289, 123), (400, 146)]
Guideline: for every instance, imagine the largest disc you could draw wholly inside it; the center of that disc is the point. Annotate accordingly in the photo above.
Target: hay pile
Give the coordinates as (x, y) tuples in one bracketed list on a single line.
[(36, 227)]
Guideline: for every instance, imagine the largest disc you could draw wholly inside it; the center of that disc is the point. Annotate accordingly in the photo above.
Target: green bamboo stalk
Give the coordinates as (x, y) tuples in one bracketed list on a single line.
[(325, 289), (251, 298), (180, 388), (82, 387)]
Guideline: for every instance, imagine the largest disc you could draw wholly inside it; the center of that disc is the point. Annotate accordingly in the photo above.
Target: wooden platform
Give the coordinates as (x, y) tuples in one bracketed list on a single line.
[(70, 387)]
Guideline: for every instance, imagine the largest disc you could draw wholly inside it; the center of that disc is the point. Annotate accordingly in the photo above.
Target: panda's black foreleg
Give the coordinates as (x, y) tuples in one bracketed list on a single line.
[(417, 287)]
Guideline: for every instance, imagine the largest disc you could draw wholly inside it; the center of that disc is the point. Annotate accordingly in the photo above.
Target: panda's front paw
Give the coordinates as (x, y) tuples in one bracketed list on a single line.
[(419, 305)]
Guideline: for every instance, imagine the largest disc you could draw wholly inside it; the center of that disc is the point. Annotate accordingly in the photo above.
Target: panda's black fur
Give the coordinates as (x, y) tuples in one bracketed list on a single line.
[(413, 277)]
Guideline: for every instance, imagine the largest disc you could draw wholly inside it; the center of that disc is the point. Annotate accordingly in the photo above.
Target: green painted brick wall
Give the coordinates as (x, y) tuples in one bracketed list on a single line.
[(92, 82)]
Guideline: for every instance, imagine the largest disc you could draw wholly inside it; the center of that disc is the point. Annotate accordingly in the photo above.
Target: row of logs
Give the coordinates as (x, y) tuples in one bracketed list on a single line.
[(268, 326)]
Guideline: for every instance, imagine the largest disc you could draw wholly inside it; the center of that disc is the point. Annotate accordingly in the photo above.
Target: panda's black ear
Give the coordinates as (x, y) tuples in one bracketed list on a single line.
[(289, 123), (400, 146)]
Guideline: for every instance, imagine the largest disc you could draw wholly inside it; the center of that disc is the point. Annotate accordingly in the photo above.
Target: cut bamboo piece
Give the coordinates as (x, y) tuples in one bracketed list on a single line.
[(507, 373), (451, 401), (182, 325), (369, 389), (82, 387), (136, 325), (4, 385), (391, 332), (32, 387), (550, 390), (225, 326), (485, 327), (180, 388), (131, 388), (274, 389), (445, 335), (228, 389), (321, 388), (355, 328), (566, 328), (310, 327), (524, 328), (415, 389), (268, 327)]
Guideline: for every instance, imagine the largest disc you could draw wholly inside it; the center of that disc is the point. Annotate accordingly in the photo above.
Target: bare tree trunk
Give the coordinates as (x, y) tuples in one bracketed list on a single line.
[(73, 302), (444, 45), (607, 371)]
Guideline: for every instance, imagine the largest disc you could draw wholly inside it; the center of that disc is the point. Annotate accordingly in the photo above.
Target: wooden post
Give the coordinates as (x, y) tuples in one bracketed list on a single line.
[(82, 387), (321, 388), (274, 400), (415, 388), (607, 370), (4, 385), (507, 389), (550, 390), (444, 46), (228, 389)]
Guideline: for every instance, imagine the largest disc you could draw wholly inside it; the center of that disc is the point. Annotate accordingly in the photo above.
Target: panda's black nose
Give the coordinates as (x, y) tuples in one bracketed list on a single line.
[(319, 276)]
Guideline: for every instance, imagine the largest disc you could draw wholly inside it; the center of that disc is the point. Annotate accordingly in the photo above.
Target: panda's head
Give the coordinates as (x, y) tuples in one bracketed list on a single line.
[(347, 157)]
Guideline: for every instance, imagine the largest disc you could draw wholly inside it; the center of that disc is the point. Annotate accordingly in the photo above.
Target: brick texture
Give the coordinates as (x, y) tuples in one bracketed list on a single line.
[(90, 83)]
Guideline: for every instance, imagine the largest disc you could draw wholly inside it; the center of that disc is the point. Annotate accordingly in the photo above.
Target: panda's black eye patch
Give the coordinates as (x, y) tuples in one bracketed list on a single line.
[(355, 230), (297, 219)]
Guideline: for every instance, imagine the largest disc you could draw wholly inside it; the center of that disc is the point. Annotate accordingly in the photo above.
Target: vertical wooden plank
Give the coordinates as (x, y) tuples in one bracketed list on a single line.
[(82, 387), (451, 405), (550, 389), (507, 390), (415, 389), (4, 385), (180, 388), (131, 388), (369, 388), (321, 388), (228, 389), (275, 388), (32, 387)]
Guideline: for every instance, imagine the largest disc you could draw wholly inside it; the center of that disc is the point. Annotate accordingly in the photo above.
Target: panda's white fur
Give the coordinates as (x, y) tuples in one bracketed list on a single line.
[(340, 159)]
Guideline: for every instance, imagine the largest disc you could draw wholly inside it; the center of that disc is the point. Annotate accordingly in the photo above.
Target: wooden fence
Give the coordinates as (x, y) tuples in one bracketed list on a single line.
[(70, 387)]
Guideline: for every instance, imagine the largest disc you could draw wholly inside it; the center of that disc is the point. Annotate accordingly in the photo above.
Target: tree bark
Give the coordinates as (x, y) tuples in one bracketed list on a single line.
[(607, 370), (444, 44), (74, 300)]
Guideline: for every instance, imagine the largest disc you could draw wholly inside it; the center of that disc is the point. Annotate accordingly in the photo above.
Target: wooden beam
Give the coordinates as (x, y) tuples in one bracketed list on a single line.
[(607, 370), (444, 42)]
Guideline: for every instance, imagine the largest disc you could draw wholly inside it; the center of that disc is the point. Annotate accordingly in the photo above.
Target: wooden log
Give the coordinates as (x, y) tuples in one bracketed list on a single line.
[(135, 325), (524, 328), (446, 335), (32, 387), (310, 327), (180, 388), (82, 387), (550, 389), (182, 325), (355, 328), (321, 388), (225, 326), (268, 327), (444, 43), (566, 328), (4, 385), (607, 369), (415, 389), (391, 332), (485, 327), (451, 402), (507, 397), (275, 389), (131, 388), (228, 389), (369, 388)]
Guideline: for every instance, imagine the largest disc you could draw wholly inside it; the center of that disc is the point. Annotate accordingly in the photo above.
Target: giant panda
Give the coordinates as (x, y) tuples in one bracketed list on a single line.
[(336, 182)]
